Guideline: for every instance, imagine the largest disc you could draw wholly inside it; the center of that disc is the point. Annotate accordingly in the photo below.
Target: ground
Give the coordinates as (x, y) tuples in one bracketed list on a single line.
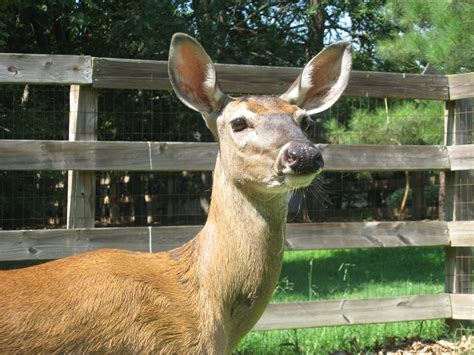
[(394, 346)]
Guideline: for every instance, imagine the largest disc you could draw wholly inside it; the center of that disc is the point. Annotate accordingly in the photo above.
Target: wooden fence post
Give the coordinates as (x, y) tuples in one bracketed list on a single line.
[(81, 184), (458, 199)]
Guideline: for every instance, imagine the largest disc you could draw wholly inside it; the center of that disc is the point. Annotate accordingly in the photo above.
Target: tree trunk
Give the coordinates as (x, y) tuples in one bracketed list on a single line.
[(418, 196), (316, 27)]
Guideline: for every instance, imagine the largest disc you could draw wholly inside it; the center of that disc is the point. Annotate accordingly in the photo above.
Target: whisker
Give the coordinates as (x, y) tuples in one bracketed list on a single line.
[(306, 217), (320, 192)]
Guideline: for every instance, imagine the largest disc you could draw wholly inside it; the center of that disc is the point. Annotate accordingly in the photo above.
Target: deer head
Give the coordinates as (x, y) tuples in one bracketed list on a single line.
[(261, 145)]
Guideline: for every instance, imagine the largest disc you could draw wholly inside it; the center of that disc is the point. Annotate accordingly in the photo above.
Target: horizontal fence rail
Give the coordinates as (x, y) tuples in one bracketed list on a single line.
[(59, 243), (461, 157), (153, 75), (173, 156), (94, 155), (461, 86), (376, 310), (45, 69)]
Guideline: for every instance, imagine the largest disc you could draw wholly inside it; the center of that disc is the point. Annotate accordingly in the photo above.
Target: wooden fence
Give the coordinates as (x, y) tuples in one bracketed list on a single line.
[(82, 155)]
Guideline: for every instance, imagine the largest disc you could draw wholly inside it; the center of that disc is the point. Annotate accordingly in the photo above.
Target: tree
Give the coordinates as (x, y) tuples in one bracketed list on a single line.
[(128, 29), (418, 122), (361, 22), (439, 32)]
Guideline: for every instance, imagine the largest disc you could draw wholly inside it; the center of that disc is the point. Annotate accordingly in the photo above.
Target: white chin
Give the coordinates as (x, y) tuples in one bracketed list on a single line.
[(290, 182), (299, 181)]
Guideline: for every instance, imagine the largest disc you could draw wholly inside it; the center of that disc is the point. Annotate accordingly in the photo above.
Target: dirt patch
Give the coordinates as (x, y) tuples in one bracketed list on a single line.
[(397, 346), (420, 346)]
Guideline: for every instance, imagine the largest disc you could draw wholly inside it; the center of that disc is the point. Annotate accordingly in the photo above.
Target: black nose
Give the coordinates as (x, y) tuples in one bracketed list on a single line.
[(302, 158)]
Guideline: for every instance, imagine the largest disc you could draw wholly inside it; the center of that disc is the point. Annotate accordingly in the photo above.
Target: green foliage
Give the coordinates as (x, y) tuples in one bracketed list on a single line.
[(129, 29), (431, 197), (406, 123), (437, 32)]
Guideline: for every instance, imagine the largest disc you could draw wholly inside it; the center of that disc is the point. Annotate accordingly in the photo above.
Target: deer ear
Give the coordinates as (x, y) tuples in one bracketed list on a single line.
[(193, 77), (323, 79)]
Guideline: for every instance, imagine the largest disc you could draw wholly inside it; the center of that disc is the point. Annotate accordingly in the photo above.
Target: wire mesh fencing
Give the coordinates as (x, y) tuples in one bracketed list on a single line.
[(38, 199)]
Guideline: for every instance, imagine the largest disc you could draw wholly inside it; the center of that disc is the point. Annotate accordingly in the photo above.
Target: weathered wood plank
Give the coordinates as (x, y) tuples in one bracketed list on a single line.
[(349, 312), (116, 73), (83, 119), (461, 86), (153, 75), (59, 243), (51, 244), (146, 74), (461, 157), (45, 69), (398, 85), (170, 156), (306, 236), (63, 155), (461, 233), (384, 158), (462, 306), (103, 156), (42, 244)]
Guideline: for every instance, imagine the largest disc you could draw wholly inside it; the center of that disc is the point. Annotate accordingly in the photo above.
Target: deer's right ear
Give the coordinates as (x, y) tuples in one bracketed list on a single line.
[(193, 77)]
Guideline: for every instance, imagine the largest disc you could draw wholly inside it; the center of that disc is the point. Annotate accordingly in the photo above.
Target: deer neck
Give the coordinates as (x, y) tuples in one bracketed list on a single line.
[(241, 250)]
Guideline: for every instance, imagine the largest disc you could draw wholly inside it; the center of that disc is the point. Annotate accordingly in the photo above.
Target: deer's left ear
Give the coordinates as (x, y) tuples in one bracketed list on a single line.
[(323, 79)]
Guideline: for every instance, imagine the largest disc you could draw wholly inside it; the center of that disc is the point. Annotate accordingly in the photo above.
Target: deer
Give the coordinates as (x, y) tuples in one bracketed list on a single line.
[(204, 296)]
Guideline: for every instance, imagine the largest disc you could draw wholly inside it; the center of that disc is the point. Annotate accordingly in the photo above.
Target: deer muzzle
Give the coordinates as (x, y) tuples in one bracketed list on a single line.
[(300, 158)]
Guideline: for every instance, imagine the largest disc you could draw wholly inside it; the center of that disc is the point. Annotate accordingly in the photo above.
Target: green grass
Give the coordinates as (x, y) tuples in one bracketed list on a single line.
[(352, 274)]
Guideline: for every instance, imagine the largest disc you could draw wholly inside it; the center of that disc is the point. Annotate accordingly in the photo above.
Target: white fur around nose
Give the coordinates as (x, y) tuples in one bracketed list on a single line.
[(283, 150)]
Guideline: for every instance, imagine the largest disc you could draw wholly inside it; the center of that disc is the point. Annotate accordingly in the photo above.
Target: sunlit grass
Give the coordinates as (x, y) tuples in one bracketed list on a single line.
[(352, 274), (328, 339)]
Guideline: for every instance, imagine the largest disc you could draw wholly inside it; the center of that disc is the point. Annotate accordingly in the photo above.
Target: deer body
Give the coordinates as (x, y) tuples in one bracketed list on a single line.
[(206, 295), (202, 297)]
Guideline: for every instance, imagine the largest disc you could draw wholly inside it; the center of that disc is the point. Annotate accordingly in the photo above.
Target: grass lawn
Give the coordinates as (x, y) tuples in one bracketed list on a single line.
[(352, 274)]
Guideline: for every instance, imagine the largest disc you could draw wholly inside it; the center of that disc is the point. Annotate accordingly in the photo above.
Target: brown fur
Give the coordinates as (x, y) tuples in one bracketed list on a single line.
[(97, 302), (267, 104)]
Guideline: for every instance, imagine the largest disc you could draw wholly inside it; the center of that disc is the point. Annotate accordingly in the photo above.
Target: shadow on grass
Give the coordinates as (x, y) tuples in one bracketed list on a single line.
[(361, 272)]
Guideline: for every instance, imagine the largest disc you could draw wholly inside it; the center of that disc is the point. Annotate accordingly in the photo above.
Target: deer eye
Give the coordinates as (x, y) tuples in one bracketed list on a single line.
[(238, 124)]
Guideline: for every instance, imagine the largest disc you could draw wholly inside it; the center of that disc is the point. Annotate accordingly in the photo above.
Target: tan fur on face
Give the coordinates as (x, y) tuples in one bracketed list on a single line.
[(266, 105)]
